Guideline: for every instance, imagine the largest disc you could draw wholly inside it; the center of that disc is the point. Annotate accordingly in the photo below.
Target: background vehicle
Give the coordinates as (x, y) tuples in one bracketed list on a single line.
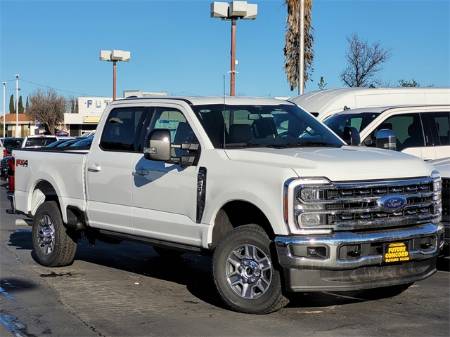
[(324, 103), (422, 131), (8, 144), (38, 141), (443, 166), (273, 194)]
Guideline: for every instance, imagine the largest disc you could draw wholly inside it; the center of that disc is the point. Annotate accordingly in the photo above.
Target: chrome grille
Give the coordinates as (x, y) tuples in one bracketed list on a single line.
[(356, 205)]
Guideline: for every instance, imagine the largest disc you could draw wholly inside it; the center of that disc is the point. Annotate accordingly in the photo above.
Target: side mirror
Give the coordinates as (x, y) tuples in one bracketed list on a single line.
[(351, 136), (386, 139), (158, 145)]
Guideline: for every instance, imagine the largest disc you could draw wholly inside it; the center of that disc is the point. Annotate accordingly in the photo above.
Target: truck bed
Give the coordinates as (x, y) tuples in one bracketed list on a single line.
[(63, 170)]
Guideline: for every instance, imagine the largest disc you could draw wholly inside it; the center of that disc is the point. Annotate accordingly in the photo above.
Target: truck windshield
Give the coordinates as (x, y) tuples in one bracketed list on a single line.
[(279, 126), (359, 121)]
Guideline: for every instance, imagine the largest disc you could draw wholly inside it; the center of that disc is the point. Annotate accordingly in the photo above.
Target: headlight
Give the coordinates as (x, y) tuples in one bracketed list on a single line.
[(303, 209)]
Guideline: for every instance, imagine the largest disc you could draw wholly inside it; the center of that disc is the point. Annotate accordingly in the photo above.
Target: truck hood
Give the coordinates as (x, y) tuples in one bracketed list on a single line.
[(337, 164)]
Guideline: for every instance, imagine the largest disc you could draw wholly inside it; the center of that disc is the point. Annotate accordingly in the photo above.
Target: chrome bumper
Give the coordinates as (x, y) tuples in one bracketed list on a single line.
[(333, 271)]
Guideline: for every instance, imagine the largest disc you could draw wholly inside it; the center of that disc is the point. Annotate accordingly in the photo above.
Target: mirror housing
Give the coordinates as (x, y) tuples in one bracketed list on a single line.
[(158, 145), (351, 136), (386, 139)]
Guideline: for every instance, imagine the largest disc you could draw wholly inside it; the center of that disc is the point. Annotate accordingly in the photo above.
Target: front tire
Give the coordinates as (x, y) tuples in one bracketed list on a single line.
[(244, 272), (52, 244)]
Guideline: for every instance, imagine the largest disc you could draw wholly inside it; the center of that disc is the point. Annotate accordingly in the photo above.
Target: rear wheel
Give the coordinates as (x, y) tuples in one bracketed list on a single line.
[(52, 244), (244, 272)]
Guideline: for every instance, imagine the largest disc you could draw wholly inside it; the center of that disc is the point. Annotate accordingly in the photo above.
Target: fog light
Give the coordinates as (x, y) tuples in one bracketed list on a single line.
[(317, 252)]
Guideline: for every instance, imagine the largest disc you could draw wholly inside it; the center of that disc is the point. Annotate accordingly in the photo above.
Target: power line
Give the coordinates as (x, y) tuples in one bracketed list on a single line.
[(56, 89)]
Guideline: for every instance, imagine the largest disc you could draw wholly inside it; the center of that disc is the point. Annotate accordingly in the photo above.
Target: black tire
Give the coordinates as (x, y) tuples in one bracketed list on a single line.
[(269, 301), (385, 292), (64, 246), (167, 253)]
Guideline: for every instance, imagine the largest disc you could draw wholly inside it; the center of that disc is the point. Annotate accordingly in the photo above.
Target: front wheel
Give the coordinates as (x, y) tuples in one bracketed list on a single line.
[(52, 244), (244, 272)]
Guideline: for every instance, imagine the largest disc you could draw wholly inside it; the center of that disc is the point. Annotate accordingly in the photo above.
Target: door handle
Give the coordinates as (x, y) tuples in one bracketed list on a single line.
[(141, 173), (94, 168)]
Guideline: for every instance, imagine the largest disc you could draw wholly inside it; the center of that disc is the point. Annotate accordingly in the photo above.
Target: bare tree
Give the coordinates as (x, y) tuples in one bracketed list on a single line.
[(364, 61), (408, 83), (292, 42), (47, 107)]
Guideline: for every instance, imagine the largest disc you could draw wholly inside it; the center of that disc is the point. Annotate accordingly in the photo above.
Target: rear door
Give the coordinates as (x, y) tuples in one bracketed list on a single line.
[(109, 170), (437, 134)]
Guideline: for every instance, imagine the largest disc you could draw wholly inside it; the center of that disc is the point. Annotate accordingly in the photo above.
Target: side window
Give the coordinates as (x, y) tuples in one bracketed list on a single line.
[(122, 129), (407, 128), (173, 120), (437, 128)]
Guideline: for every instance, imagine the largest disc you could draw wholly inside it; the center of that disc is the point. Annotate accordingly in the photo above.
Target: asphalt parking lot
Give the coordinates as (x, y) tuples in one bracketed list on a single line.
[(128, 290)]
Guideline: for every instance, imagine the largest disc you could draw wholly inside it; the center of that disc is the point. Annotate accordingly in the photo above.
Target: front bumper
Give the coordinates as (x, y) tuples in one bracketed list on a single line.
[(337, 269)]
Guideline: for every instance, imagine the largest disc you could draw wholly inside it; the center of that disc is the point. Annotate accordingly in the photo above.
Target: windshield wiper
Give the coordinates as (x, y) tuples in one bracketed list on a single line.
[(319, 144)]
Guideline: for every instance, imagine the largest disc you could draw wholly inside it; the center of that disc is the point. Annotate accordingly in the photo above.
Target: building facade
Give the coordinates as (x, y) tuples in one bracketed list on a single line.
[(86, 116)]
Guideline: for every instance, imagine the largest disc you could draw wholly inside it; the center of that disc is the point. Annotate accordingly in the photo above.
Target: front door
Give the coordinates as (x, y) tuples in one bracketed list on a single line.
[(164, 194)]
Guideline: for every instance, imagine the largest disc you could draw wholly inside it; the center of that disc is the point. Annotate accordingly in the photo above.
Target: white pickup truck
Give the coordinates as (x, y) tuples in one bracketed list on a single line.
[(278, 199)]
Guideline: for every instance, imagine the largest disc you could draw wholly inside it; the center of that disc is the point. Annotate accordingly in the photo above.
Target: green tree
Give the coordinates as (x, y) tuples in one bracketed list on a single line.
[(20, 108), (27, 105), (408, 83), (12, 109), (292, 41)]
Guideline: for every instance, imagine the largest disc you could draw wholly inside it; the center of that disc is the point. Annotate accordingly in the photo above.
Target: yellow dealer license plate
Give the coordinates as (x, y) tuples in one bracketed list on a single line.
[(396, 252)]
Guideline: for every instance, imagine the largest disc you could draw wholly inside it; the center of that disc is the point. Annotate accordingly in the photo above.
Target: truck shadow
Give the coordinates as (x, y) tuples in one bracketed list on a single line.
[(192, 270)]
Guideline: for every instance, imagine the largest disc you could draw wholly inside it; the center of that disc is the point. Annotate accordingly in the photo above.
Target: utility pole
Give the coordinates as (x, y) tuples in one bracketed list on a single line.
[(301, 66), (17, 106), (4, 109)]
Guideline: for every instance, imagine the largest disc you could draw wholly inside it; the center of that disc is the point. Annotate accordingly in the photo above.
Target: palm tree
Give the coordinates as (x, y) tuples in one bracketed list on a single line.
[(292, 41)]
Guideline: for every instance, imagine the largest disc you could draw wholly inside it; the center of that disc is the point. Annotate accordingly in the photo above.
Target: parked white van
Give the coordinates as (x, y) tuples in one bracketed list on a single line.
[(324, 103)]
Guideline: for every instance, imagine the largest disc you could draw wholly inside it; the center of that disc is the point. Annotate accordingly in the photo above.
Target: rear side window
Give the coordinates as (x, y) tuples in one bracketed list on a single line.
[(122, 128), (437, 128)]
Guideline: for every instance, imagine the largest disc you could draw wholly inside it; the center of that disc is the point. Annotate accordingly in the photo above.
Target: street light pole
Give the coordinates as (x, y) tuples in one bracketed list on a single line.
[(4, 109), (233, 58), (115, 56), (17, 106), (301, 66), (233, 11), (114, 79)]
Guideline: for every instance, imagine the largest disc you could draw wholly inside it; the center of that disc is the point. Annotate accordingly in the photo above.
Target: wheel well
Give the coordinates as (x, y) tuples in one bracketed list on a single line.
[(237, 213), (47, 189)]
